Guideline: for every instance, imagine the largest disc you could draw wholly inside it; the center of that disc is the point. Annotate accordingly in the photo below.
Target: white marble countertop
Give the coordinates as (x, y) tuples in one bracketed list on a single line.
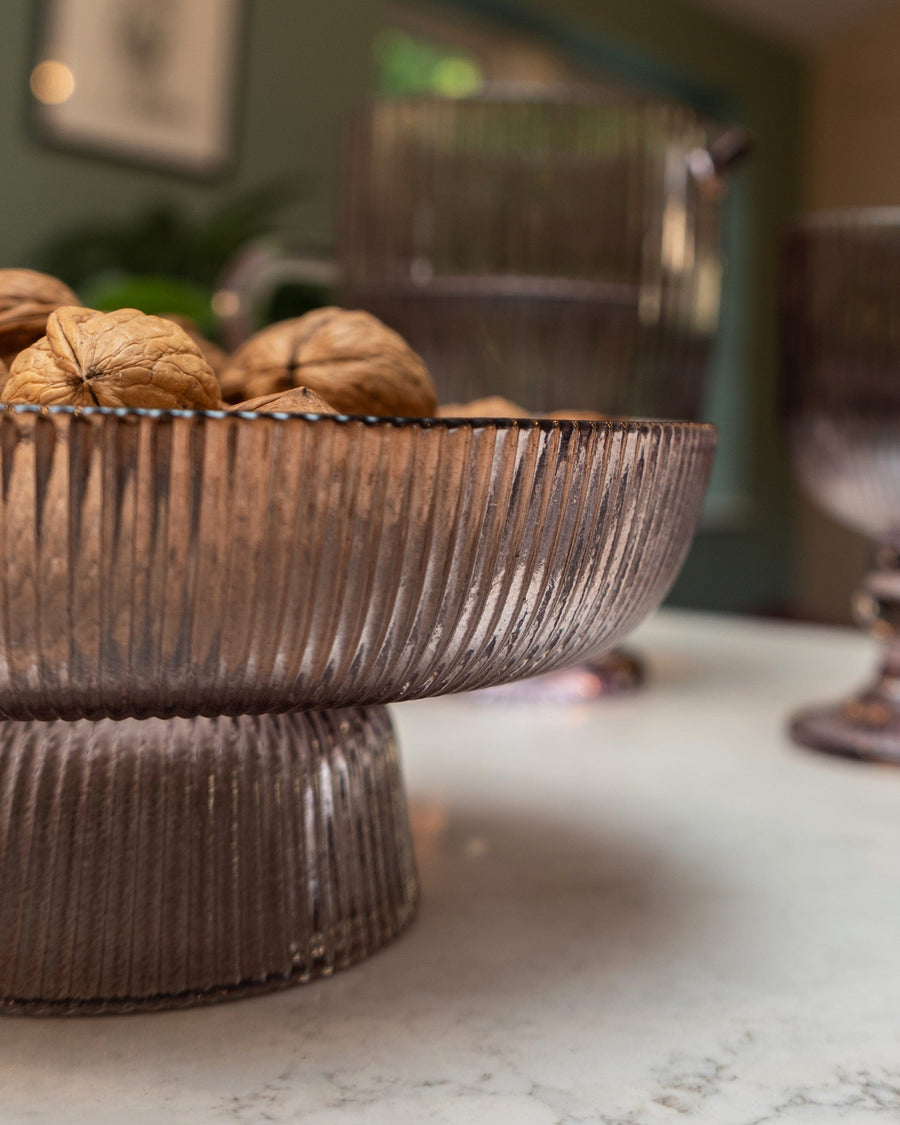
[(640, 911)]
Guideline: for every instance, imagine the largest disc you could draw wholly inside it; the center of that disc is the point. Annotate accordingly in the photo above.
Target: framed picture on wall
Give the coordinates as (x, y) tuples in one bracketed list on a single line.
[(147, 81)]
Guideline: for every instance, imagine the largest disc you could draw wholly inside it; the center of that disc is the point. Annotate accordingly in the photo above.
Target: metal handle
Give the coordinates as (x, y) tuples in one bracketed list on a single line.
[(711, 165)]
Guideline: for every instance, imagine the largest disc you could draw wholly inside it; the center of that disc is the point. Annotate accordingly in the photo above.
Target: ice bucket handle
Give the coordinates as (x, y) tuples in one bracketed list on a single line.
[(710, 166)]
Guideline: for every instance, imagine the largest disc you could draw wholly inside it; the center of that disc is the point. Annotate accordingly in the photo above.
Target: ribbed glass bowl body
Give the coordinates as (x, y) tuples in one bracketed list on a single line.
[(161, 564)]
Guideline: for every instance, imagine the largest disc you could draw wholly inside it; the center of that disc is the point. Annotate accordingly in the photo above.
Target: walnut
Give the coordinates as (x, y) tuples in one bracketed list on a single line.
[(494, 406), (298, 400), (26, 300), (215, 356), (355, 362), (576, 415), (121, 358)]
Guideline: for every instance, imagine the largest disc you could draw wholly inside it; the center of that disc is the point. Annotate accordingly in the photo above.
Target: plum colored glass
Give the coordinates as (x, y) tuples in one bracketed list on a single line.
[(201, 616), (841, 369), (551, 245), (554, 245)]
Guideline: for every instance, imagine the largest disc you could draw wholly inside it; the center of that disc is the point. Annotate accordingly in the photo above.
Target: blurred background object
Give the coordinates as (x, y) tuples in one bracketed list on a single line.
[(552, 244), (273, 278), (815, 83), (852, 106), (556, 245), (163, 259), (841, 359), (154, 83)]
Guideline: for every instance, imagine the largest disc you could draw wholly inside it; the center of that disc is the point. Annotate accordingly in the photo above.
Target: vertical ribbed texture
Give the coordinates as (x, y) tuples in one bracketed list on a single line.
[(154, 863), (554, 249), (159, 564), (162, 565)]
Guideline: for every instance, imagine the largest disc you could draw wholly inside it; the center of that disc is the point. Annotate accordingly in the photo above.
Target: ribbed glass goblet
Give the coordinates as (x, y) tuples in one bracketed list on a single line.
[(841, 369)]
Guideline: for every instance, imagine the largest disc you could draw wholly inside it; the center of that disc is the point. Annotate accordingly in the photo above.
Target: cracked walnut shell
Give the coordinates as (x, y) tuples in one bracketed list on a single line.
[(215, 356), (356, 363), (298, 400), (115, 359), (26, 300)]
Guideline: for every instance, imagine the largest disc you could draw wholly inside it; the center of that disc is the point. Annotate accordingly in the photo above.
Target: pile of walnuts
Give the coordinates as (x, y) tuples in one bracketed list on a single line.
[(330, 361)]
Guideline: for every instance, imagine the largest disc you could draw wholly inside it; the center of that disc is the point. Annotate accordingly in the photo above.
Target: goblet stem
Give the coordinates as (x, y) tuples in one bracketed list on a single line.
[(876, 604), (866, 726), (153, 864)]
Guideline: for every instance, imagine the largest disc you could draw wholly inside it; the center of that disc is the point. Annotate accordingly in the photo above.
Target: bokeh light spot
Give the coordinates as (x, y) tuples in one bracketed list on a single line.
[(52, 82), (456, 77)]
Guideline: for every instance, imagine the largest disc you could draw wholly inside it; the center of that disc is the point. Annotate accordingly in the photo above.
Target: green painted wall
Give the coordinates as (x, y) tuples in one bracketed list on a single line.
[(304, 67)]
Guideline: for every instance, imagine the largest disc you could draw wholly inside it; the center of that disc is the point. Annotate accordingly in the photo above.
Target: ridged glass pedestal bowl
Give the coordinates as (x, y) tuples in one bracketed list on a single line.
[(201, 616)]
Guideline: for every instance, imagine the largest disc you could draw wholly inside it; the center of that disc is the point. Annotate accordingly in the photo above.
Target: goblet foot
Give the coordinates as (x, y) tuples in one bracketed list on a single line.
[(866, 727), (154, 864), (616, 671)]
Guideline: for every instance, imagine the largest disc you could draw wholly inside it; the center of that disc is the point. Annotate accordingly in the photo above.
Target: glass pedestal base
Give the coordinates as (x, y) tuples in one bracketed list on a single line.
[(866, 728), (156, 864)]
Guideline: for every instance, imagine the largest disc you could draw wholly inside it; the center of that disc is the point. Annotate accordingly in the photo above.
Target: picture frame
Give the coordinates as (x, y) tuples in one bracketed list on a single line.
[(149, 82)]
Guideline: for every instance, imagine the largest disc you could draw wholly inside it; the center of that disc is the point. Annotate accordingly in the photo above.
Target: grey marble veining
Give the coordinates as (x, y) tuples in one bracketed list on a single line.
[(645, 911)]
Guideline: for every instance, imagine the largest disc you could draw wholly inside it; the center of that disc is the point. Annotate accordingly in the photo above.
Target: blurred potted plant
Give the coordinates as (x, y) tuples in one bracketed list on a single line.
[(164, 260)]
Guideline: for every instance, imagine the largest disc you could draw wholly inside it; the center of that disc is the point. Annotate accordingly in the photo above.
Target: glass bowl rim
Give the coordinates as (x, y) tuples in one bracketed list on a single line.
[(429, 422)]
